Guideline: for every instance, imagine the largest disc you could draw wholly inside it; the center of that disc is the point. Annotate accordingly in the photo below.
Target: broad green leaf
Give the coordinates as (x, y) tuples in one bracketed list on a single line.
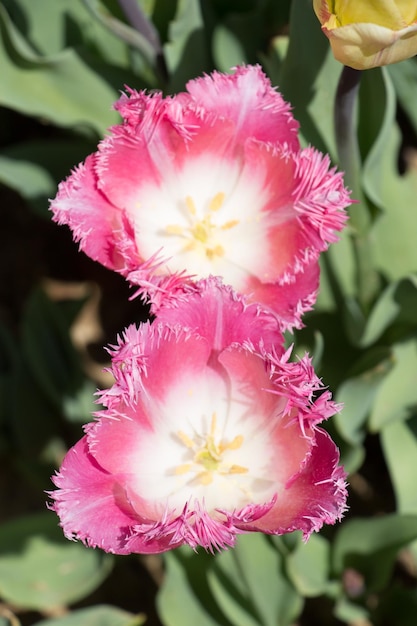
[(128, 34), (227, 49), (184, 597), (308, 566), (237, 39), (186, 51), (102, 615), (52, 26), (393, 235), (309, 78), (397, 394), (38, 181), (398, 303), (79, 406), (250, 585), (399, 443), (376, 116), (40, 569), (63, 88), (41, 165), (357, 394), (351, 613), (48, 350), (366, 537), (404, 78)]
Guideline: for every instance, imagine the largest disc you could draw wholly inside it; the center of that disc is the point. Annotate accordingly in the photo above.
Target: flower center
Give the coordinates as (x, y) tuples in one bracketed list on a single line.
[(208, 456), (203, 233)]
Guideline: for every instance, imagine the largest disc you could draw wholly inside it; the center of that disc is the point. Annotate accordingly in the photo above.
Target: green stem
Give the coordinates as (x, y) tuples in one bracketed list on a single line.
[(350, 162)]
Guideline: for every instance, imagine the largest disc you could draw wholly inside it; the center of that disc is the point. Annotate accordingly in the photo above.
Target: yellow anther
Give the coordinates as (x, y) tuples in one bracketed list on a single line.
[(183, 469), (235, 444), (174, 229), (190, 205), (230, 224), (200, 231), (212, 252), (237, 469), (213, 424), (189, 443), (205, 478), (217, 201)]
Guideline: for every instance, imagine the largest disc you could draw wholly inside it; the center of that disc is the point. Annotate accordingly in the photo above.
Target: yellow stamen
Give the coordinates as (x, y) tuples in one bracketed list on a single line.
[(190, 205), (174, 229), (237, 469), (189, 443), (201, 231), (230, 224), (183, 469), (217, 201), (233, 445), (205, 478), (212, 252)]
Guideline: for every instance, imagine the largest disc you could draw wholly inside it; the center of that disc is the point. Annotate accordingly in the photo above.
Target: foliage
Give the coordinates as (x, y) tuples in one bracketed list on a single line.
[(63, 64)]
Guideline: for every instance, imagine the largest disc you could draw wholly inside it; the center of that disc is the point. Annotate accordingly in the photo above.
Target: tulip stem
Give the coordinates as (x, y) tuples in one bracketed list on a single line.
[(350, 162)]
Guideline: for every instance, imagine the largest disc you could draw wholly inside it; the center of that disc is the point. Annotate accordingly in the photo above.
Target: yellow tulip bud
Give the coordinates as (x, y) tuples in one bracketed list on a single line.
[(369, 33)]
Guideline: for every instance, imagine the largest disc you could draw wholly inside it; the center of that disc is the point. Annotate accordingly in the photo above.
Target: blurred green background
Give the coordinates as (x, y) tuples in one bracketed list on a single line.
[(62, 65)]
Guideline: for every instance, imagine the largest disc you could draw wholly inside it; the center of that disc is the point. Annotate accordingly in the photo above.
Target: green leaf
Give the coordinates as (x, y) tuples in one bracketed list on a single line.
[(244, 586), (397, 395), (186, 51), (398, 303), (48, 350), (370, 545), (351, 613), (404, 78), (184, 597), (308, 566), (251, 577), (393, 235), (42, 165), (40, 569), (227, 49), (309, 78), (399, 443), (52, 26), (63, 88), (357, 394), (102, 615)]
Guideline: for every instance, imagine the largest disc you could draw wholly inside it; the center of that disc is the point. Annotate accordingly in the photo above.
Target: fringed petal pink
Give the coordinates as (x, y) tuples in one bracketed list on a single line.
[(207, 432), (208, 182)]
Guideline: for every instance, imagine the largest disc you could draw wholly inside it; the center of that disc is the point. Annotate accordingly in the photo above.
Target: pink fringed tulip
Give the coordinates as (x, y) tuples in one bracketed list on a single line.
[(208, 182), (368, 34), (206, 433)]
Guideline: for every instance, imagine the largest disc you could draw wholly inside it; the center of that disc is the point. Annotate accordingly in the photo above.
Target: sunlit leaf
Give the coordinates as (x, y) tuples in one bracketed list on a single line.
[(370, 545), (102, 615), (357, 394), (397, 394), (63, 89), (186, 50), (251, 577), (399, 442), (309, 566), (40, 569)]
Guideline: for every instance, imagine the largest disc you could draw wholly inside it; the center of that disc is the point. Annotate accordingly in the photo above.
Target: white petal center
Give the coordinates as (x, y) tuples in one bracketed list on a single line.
[(206, 219), (209, 445)]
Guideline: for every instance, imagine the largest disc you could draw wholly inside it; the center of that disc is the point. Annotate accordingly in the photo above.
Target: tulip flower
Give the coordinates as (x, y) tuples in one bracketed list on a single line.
[(211, 181), (368, 34), (207, 432)]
